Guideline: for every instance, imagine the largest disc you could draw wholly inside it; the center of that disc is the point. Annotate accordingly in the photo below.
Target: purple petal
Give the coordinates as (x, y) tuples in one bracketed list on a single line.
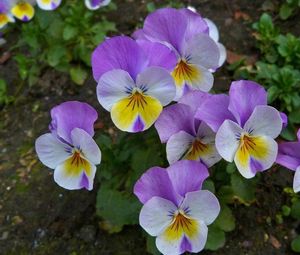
[(214, 111), (120, 52), (284, 118), (70, 115), (175, 118), (159, 54), (187, 176), (167, 25), (244, 97), (289, 155), (84, 183), (185, 245), (298, 134), (138, 125), (139, 35), (194, 99), (155, 183), (255, 165)]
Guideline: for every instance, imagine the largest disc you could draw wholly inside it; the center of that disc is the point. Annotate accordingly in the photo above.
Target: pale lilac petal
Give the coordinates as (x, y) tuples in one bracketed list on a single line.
[(156, 215), (213, 30), (173, 119), (155, 183), (70, 115), (187, 176), (178, 145), (203, 51), (214, 111), (157, 83), (159, 54), (265, 120), (113, 86), (167, 25), (244, 97), (49, 6), (169, 247), (120, 52), (284, 119), (296, 182), (83, 141), (51, 151), (194, 99), (139, 35), (201, 205), (289, 155), (298, 134), (96, 4), (227, 139), (223, 53)]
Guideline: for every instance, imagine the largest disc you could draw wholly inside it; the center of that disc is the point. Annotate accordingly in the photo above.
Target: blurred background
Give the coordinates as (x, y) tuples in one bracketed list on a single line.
[(47, 61)]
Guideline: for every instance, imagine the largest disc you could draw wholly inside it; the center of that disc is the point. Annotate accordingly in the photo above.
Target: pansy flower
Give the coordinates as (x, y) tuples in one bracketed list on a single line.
[(289, 157), (187, 34), (175, 210), (96, 4), (70, 149), (187, 137), (133, 81), (23, 9), (246, 126), (48, 5), (5, 16)]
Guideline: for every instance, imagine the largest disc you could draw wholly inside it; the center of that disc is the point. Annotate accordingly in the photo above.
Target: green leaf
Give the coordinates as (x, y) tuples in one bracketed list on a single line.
[(295, 210), (117, 209), (69, 32), (151, 247), (56, 54), (215, 239), (78, 75), (285, 11), (294, 116), (295, 245), (225, 220), (209, 185)]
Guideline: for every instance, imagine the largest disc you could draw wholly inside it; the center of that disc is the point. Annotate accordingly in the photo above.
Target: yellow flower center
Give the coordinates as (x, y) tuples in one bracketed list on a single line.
[(185, 72), (137, 99), (77, 163)]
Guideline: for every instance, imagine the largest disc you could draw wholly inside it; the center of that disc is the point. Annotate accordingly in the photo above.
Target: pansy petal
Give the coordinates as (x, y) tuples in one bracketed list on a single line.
[(167, 25), (227, 139), (51, 151), (159, 54), (296, 182), (120, 52), (155, 183), (96, 4), (173, 119), (256, 155), (244, 97), (223, 53), (201, 205), (214, 111), (157, 83), (23, 11), (70, 115), (178, 145), (284, 119), (156, 215), (187, 176), (289, 155), (113, 86), (136, 113), (298, 134), (265, 120), (5, 18), (139, 34), (83, 141), (170, 246), (213, 30), (194, 99), (48, 5), (71, 177), (203, 51)]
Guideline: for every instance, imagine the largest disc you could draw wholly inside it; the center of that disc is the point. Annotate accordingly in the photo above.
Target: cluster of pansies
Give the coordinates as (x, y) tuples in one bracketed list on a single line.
[(24, 9), (171, 59)]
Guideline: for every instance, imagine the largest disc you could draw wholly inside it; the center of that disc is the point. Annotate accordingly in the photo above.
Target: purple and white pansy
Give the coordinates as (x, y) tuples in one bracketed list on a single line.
[(176, 211), (70, 149), (96, 4)]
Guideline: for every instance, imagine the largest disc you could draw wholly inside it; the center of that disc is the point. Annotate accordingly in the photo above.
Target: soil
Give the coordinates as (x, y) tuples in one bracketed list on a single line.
[(39, 217)]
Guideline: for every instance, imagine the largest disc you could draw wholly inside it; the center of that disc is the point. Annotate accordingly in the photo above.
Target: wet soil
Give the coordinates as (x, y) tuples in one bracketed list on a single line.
[(39, 217)]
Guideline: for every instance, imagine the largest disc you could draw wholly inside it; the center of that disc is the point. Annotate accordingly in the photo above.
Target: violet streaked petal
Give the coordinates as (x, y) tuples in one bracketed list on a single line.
[(187, 176), (214, 111), (289, 155), (70, 115), (155, 183), (173, 119), (96, 4), (48, 5), (244, 97), (120, 52)]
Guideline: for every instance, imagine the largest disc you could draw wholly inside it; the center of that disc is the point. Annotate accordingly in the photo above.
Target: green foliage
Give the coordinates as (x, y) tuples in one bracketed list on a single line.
[(215, 238), (4, 97), (63, 40), (295, 245), (289, 8)]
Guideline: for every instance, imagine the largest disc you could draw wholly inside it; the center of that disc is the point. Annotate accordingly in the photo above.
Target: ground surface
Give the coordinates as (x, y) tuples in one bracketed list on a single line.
[(38, 217)]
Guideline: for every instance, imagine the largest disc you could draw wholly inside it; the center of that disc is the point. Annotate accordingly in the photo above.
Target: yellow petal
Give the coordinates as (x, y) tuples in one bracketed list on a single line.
[(23, 11)]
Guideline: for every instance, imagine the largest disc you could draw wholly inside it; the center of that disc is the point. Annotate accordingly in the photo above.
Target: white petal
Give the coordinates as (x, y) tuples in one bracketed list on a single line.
[(178, 145), (198, 242), (223, 53), (213, 30), (113, 86), (156, 215), (101, 3), (169, 247), (49, 6), (159, 84), (265, 120), (82, 140), (51, 151), (201, 205), (296, 183), (227, 139)]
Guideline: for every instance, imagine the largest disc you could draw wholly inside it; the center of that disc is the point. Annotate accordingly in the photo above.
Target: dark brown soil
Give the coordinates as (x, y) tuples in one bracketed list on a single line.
[(38, 217)]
